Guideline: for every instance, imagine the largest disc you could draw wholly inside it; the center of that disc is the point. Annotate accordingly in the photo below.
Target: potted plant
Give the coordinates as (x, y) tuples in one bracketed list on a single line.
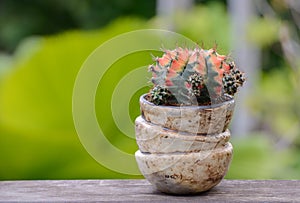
[(182, 131)]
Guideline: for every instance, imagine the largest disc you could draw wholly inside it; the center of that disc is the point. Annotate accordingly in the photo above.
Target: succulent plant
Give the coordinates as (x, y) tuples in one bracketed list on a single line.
[(188, 77)]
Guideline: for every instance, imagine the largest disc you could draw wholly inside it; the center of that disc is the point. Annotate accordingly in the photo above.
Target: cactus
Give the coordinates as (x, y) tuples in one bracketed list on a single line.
[(193, 77)]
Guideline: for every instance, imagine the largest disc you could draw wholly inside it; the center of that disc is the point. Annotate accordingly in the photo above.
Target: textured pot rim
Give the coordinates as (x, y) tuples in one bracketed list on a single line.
[(229, 101), (154, 156)]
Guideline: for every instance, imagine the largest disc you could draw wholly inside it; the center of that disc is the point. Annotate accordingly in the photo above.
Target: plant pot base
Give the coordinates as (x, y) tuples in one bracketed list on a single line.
[(185, 173)]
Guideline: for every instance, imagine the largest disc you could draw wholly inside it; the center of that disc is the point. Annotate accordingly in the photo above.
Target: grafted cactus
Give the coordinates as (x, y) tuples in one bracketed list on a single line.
[(188, 77)]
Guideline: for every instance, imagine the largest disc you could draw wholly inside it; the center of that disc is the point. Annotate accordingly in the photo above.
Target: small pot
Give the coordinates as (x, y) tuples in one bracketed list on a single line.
[(184, 150), (205, 120)]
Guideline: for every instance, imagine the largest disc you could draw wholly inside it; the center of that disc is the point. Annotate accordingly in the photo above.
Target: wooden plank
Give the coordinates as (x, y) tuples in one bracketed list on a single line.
[(141, 191)]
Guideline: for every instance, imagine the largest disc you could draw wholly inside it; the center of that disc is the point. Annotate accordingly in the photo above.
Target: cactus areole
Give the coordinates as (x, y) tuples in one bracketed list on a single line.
[(193, 77)]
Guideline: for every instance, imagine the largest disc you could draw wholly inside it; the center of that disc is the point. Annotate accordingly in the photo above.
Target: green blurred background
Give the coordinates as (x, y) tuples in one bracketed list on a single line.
[(43, 44)]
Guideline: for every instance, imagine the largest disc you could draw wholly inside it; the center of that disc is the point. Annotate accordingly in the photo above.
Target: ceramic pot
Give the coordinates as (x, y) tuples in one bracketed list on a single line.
[(183, 150)]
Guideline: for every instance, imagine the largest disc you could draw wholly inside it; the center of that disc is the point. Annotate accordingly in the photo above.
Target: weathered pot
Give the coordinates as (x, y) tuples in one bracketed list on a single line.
[(154, 139), (184, 150), (192, 119)]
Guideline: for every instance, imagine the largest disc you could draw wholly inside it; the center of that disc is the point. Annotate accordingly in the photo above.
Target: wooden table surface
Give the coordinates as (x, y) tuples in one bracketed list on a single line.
[(141, 191)]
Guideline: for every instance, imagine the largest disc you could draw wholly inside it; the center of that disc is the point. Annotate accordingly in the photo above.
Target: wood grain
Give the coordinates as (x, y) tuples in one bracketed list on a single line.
[(142, 191)]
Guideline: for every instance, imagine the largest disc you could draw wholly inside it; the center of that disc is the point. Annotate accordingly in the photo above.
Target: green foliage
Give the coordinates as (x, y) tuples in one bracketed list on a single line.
[(5, 63), (104, 97), (19, 19), (38, 137), (206, 25), (254, 159), (263, 31), (277, 92), (277, 109)]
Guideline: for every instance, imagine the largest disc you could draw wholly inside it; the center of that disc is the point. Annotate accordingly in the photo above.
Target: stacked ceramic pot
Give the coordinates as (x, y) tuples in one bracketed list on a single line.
[(184, 150)]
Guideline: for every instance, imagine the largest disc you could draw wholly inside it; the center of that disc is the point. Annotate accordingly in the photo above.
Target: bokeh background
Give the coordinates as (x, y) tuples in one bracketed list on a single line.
[(43, 44)]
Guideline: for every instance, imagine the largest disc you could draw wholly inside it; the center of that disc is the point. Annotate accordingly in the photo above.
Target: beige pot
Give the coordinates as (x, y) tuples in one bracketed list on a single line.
[(183, 149), (204, 120)]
